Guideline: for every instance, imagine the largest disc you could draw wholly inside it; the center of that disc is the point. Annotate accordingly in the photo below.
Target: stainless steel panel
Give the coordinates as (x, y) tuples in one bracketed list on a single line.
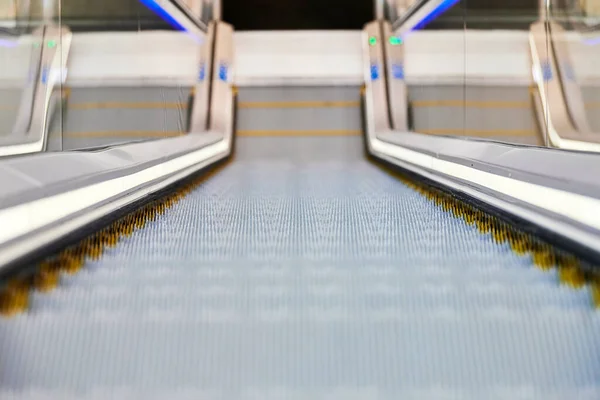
[(199, 117), (376, 104), (397, 91), (221, 106)]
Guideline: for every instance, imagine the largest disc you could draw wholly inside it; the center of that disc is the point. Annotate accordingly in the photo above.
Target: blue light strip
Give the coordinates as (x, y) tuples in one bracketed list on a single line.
[(398, 71), (45, 74), (158, 10), (223, 72), (439, 10), (546, 71), (374, 72), (202, 72)]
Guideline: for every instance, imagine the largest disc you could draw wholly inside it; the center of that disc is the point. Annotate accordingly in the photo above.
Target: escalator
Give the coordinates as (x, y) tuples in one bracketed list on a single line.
[(300, 269)]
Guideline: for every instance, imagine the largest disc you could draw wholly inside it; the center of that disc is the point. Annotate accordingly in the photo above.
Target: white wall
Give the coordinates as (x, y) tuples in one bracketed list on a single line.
[(486, 57), (494, 57), (300, 58), (140, 58)]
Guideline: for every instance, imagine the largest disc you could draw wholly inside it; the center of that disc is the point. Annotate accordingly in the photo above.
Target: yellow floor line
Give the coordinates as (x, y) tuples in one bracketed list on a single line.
[(300, 133), (126, 106), (299, 104), (478, 133), (471, 104), (152, 134)]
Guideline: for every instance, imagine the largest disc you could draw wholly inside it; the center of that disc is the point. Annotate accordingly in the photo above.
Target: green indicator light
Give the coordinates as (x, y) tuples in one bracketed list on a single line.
[(395, 41), (51, 44), (372, 40)]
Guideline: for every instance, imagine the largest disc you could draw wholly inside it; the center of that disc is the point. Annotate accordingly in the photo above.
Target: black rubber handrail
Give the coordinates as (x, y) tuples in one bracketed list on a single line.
[(408, 14), (196, 20)]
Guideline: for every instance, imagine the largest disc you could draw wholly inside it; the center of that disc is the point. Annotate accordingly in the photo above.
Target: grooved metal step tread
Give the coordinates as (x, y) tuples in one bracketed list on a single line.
[(303, 271)]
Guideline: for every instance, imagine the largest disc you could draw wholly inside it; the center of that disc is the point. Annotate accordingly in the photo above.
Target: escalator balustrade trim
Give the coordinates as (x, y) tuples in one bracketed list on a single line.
[(14, 298), (544, 255)]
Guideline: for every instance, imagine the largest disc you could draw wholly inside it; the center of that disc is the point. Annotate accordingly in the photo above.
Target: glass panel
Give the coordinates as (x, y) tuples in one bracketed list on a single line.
[(19, 61), (436, 70), (586, 58), (576, 39), (497, 96), (131, 73), (81, 74), (107, 15)]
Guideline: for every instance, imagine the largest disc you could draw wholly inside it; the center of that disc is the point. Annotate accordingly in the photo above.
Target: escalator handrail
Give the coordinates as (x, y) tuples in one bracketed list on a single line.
[(409, 19), (197, 20), (408, 14)]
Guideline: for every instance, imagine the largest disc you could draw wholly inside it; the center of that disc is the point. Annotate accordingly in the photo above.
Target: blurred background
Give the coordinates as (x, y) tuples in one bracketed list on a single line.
[(468, 67)]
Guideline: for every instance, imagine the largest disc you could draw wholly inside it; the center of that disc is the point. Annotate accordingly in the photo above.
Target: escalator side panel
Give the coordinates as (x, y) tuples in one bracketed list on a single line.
[(101, 116), (502, 113)]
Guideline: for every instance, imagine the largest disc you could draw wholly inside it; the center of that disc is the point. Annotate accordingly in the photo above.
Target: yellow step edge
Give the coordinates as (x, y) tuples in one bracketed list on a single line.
[(299, 104), (153, 134), (279, 133)]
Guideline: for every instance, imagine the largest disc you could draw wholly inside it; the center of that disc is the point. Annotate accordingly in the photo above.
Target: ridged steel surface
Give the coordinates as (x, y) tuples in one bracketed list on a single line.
[(303, 271)]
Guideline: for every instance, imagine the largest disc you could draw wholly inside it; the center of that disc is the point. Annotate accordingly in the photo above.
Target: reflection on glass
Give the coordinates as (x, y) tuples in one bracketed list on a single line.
[(19, 59), (105, 102), (435, 73), (471, 72), (575, 32), (498, 103), (100, 73)]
